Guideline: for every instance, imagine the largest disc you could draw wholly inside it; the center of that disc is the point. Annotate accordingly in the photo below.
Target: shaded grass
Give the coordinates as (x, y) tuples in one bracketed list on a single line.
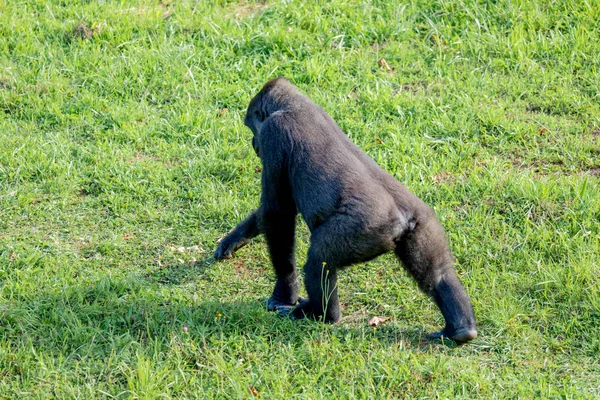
[(123, 157)]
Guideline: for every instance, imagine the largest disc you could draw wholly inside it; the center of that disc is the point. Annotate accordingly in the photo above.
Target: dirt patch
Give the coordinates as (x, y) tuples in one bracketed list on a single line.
[(443, 177), (83, 31), (554, 109), (413, 87), (596, 132), (378, 46), (138, 157), (594, 171), (137, 10), (540, 167), (543, 211), (534, 108), (167, 8), (6, 85), (555, 167), (242, 10), (241, 270)]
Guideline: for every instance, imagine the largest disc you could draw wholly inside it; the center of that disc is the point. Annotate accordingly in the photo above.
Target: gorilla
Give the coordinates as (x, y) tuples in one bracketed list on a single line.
[(354, 210)]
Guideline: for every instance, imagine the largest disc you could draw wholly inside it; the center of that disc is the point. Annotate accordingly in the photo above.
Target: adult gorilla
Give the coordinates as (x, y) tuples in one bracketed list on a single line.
[(355, 211)]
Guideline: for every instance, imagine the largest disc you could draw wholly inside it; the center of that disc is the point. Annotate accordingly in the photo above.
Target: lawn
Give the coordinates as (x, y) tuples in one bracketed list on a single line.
[(123, 158)]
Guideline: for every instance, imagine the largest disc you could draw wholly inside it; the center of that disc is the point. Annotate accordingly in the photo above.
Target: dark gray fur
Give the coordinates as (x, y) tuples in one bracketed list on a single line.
[(355, 211)]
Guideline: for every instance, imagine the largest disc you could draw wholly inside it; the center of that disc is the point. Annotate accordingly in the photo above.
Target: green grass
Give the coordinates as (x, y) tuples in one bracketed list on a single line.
[(123, 158)]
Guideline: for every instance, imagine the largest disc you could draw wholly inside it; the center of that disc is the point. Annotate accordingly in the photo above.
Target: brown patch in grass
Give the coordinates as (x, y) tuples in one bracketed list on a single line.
[(173, 162), (542, 211), (243, 10), (443, 177), (84, 31), (241, 270), (167, 8), (539, 167), (554, 109), (533, 108), (413, 87), (555, 167), (5, 84), (538, 109), (378, 46), (141, 157), (137, 157), (137, 10), (594, 171), (245, 271)]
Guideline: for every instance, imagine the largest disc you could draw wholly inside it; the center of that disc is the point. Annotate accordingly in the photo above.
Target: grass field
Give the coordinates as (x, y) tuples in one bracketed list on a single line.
[(123, 158)]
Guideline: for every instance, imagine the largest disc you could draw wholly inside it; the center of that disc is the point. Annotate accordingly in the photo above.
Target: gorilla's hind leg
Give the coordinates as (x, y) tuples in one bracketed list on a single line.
[(425, 254), (331, 248), (341, 241), (320, 280)]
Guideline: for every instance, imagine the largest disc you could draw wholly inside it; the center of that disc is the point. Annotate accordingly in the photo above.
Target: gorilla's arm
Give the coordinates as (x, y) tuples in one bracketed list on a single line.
[(278, 211), (276, 216), (238, 237)]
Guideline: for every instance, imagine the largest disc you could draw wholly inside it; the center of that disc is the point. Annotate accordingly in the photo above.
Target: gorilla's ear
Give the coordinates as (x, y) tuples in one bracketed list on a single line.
[(259, 115)]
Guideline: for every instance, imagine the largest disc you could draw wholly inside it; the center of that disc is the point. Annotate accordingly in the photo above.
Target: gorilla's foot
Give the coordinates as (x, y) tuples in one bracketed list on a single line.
[(305, 309), (302, 310), (459, 336), (281, 307)]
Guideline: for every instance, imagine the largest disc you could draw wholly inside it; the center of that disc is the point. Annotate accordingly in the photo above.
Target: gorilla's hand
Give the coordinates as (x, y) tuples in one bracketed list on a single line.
[(237, 238), (229, 244)]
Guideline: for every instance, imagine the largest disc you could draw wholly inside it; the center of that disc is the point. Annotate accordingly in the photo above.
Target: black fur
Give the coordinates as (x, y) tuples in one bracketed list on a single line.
[(355, 211)]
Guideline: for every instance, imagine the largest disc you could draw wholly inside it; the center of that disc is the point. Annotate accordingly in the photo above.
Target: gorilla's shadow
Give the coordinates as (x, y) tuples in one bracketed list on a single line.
[(110, 314), (180, 273), (249, 313)]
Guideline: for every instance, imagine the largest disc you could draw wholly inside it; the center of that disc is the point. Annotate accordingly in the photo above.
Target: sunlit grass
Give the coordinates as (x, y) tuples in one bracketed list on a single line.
[(123, 157)]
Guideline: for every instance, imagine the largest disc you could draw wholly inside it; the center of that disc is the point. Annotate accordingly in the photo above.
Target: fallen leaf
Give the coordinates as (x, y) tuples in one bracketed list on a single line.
[(378, 321), (254, 391), (382, 63)]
